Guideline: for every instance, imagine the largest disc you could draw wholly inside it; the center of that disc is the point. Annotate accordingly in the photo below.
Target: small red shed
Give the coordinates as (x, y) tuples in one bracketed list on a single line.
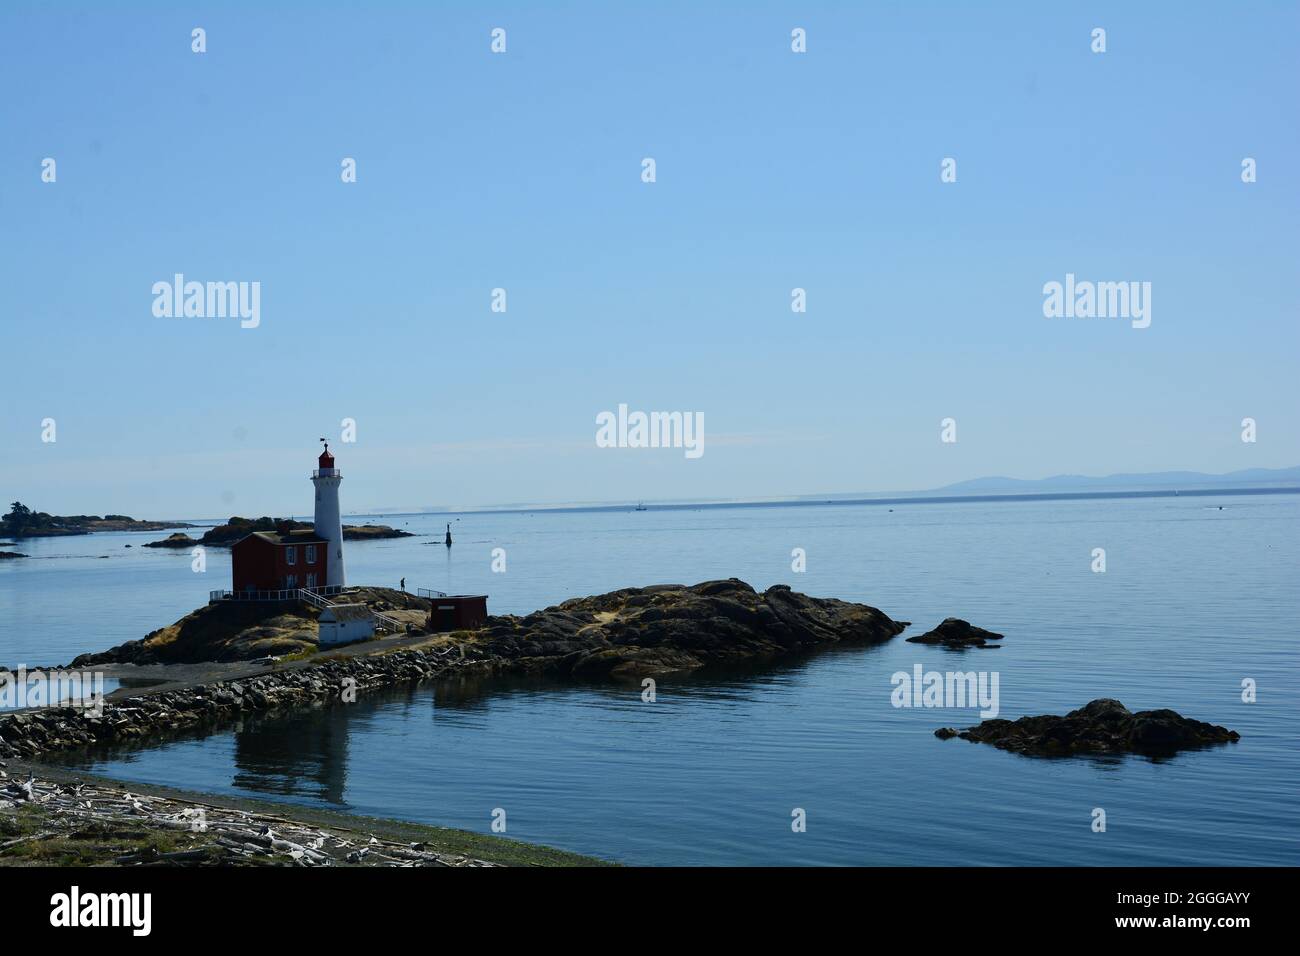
[(458, 612)]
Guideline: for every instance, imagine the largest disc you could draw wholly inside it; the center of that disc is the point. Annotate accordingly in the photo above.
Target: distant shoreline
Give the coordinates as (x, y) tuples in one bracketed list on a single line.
[(802, 502), (77, 527), (897, 500)]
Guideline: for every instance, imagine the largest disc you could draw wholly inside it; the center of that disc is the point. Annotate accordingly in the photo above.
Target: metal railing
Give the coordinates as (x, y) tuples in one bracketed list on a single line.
[(426, 593), (287, 594), (326, 473), (315, 597), (391, 623), (284, 594)]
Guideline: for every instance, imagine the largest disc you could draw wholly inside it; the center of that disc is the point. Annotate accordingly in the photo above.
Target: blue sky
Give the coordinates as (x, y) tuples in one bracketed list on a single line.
[(522, 171)]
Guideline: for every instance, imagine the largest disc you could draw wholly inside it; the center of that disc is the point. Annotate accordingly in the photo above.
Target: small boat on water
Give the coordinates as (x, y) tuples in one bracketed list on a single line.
[(640, 506)]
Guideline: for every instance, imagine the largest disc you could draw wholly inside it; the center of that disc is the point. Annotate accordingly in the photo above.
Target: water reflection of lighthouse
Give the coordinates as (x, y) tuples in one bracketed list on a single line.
[(305, 755)]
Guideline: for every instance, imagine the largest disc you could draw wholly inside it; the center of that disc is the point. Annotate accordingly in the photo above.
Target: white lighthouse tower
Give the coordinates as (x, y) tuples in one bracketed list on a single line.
[(329, 521)]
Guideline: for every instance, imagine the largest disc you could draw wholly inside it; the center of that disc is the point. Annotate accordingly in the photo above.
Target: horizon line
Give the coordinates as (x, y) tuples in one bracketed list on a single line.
[(806, 502)]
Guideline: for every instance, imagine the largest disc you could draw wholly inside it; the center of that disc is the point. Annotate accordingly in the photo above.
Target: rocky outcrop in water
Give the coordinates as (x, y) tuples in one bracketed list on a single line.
[(237, 528), (371, 532), (178, 540), (672, 627), (23, 522), (1103, 726), (956, 634)]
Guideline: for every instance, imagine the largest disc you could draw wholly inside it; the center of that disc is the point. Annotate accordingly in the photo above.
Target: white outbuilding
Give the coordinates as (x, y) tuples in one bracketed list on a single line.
[(345, 623)]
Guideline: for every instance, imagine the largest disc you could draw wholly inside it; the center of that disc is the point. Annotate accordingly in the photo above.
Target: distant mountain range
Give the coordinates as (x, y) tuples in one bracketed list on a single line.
[(997, 485), (1249, 477), (1067, 484)]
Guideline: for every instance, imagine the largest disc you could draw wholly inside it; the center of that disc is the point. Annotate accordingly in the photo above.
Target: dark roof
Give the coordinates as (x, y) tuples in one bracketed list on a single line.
[(348, 612), (303, 536)]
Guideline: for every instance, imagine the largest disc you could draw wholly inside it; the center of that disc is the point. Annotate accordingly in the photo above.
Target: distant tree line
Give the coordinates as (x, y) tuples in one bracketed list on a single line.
[(22, 521)]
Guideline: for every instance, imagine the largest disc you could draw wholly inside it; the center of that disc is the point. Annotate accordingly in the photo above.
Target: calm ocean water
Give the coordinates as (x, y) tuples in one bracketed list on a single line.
[(1196, 597)]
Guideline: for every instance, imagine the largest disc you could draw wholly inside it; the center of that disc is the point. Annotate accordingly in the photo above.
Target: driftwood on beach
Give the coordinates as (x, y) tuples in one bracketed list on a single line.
[(118, 826)]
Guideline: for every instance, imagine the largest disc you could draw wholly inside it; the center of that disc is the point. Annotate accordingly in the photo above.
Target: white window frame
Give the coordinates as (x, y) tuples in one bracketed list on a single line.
[(291, 554), (291, 582), (311, 554), (311, 582)]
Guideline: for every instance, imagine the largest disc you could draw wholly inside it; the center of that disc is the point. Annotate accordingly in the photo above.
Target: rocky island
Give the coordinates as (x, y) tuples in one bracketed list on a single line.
[(1102, 726), (22, 522), (625, 633), (224, 535), (672, 627), (956, 634)]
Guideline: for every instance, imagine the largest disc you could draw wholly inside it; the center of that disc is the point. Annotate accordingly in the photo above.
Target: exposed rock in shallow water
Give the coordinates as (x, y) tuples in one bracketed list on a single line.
[(955, 633), (178, 540), (672, 627), (225, 535), (1099, 727)]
